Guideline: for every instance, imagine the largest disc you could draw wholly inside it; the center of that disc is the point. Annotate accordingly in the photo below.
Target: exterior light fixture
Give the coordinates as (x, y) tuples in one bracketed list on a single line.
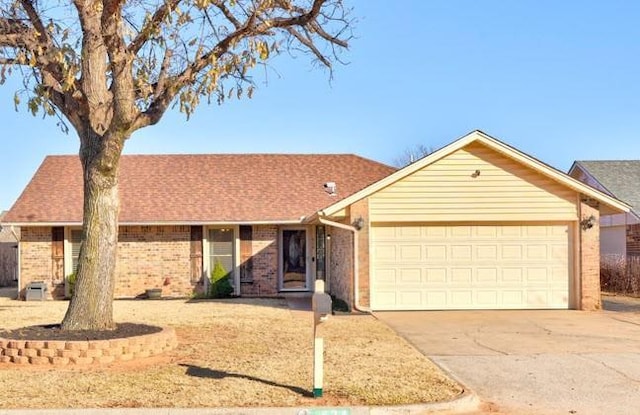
[(587, 223)]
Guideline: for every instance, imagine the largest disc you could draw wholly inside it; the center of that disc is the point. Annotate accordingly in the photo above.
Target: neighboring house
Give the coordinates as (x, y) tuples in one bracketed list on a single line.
[(8, 255), (474, 225), (619, 233)]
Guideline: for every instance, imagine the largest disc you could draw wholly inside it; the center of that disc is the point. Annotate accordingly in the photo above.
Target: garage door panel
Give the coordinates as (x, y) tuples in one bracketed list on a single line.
[(410, 252), (511, 252), (469, 267), (487, 298), (386, 253), (436, 275), (411, 276), (486, 252), (435, 252), (511, 275), (487, 275), (461, 252)]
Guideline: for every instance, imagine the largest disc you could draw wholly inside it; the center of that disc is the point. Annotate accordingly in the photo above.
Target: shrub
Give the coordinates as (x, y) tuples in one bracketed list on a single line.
[(338, 304), (620, 274), (71, 281), (220, 286)]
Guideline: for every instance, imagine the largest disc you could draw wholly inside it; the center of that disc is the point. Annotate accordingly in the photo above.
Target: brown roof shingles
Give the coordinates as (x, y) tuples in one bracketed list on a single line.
[(201, 188)]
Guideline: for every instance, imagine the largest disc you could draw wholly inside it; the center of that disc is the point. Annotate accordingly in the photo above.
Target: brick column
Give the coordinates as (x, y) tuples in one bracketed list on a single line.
[(359, 210), (590, 258)]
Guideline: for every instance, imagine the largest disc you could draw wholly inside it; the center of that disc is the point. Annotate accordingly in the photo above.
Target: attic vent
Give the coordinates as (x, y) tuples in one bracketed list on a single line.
[(331, 188)]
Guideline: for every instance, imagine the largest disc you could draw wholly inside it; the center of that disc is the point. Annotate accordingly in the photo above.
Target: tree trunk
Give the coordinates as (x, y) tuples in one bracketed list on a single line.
[(91, 306)]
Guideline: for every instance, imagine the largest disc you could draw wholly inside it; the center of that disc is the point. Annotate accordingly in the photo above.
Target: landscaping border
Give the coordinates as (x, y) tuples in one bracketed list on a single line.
[(88, 352)]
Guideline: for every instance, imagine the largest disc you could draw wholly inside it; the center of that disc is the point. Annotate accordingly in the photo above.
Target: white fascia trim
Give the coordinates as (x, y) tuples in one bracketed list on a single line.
[(222, 223), (33, 224), (554, 174)]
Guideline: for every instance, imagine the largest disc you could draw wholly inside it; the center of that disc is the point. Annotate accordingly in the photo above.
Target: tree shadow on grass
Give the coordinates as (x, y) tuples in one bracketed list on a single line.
[(205, 372)]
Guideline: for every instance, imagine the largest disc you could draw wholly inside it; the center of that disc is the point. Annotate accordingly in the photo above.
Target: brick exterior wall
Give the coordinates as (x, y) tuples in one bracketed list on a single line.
[(149, 257), (341, 264), (36, 259), (633, 240), (359, 210), (154, 257), (590, 260), (264, 248)]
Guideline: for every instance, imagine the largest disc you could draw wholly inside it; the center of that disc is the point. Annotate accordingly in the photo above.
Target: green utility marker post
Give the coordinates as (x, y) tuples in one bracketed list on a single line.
[(321, 306)]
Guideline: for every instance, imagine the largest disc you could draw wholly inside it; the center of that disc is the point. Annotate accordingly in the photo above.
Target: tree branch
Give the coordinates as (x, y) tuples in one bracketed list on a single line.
[(306, 41), (227, 13), (14, 33), (120, 62), (152, 25), (252, 27), (43, 34)]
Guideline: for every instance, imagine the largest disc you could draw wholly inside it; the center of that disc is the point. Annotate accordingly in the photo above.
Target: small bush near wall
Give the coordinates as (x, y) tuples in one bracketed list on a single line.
[(220, 286), (620, 274)]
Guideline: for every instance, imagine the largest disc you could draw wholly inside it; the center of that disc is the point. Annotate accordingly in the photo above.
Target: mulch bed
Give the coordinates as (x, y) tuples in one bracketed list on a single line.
[(53, 332)]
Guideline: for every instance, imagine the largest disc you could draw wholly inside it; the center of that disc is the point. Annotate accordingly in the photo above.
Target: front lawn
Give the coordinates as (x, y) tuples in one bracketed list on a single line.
[(231, 353)]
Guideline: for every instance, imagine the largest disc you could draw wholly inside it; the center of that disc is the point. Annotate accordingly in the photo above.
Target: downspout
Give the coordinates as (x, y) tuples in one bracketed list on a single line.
[(15, 235), (356, 266)]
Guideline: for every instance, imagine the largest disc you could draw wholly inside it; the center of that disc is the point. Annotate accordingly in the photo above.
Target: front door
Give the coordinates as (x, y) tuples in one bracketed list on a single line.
[(293, 260)]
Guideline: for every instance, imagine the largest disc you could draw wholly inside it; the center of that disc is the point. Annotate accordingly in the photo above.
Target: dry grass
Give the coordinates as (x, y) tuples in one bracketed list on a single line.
[(232, 353)]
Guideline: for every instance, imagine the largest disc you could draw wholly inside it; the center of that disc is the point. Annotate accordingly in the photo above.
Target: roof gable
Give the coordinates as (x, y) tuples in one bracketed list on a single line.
[(214, 188), (618, 178), (496, 145)]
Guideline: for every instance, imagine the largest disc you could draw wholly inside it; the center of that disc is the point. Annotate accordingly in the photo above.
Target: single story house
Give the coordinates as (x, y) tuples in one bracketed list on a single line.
[(620, 232), (474, 225)]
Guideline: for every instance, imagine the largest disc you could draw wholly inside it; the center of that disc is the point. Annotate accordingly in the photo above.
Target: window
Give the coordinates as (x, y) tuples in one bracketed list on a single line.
[(75, 236), (221, 250)]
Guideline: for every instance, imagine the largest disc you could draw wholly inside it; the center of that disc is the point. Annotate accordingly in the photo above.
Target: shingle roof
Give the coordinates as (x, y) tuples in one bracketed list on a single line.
[(621, 178), (201, 188)]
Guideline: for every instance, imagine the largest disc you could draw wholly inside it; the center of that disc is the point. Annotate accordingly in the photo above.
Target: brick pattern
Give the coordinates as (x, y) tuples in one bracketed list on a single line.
[(590, 260), (154, 257), (633, 240), (264, 262), (359, 210), (341, 264), (91, 352), (148, 257), (36, 261)]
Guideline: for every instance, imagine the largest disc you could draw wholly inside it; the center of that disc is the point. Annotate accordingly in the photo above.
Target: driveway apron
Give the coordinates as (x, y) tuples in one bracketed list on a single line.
[(535, 362)]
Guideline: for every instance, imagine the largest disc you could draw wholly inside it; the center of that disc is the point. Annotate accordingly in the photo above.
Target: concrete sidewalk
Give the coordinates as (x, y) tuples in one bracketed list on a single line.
[(463, 404)]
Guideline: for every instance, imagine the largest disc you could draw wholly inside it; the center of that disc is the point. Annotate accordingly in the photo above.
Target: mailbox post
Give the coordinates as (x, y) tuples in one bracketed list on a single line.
[(321, 306)]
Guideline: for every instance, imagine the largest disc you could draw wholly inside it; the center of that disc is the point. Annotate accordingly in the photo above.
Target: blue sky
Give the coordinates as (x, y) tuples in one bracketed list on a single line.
[(559, 80)]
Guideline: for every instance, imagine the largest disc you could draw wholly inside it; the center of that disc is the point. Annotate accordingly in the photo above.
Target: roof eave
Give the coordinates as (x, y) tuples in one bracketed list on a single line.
[(166, 223)]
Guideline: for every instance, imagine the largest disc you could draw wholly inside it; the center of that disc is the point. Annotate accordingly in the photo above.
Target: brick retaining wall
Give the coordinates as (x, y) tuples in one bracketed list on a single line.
[(90, 352)]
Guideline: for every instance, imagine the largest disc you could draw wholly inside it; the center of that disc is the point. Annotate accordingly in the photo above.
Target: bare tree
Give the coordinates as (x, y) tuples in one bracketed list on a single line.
[(411, 154), (110, 67)]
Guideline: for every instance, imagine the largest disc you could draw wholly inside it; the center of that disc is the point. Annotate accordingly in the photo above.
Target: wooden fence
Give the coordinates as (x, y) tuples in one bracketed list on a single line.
[(8, 265)]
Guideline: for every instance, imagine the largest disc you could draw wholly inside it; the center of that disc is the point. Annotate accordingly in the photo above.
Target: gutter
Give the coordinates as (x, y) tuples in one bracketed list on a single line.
[(356, 265)]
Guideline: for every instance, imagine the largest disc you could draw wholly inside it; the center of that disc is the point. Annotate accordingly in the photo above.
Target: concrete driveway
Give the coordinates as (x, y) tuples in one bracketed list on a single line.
[(536, 362)]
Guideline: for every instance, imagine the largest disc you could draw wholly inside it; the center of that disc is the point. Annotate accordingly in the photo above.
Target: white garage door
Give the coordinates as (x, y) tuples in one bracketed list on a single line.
[(469, 267)]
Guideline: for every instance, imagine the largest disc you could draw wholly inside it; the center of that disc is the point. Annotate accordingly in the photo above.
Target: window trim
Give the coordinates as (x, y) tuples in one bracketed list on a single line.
[(68, 257), (206, 256)]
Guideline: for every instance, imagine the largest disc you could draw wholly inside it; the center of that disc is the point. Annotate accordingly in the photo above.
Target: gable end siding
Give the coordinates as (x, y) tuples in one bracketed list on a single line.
[(504, 190)]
